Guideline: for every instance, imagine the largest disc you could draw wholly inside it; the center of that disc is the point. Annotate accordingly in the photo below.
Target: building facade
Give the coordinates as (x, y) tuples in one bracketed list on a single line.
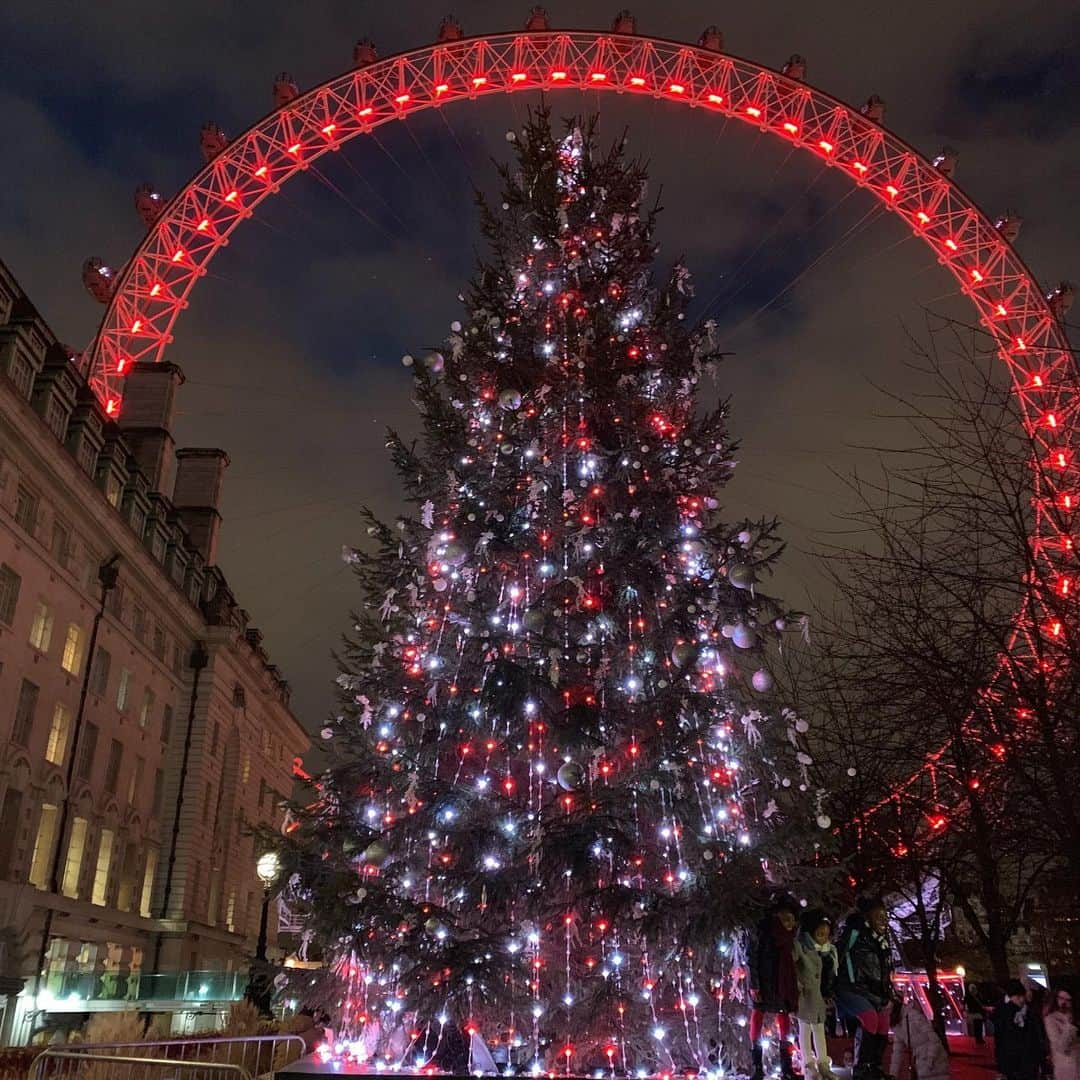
[(144, 731)]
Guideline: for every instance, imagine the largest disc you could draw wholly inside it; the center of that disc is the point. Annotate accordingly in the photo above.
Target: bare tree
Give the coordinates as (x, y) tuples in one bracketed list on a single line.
[(953, 643)]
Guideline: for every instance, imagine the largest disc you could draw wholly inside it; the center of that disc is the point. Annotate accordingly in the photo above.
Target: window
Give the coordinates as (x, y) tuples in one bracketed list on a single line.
[(159, 785), (56, 416), (10, 583), (112, 769), (157, 546), (73, 864), (114, 602), (61, 543), (138, 520), (148, 882), (230, 912), (87, 456), (26, 509), (43, 846), (208, 796), (166, 723), (21, 374), (123, 690), (24, 713), (41, 627), (245, 768), (87, 751), (174, 658), (127, 889), (99, 676), (56, 750), (215, 739), (158, 645), (101, 871), (72, 659), (146, 708), (136, 781), (239, 698), (138, 621), (10, 822), (113, 488)]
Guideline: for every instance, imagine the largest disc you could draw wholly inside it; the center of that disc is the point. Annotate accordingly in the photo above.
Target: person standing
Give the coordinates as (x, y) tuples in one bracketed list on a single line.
[(976, 1013), (1019, 1038), (815, 965), (864, 990), (1061, 1035), (774, 987)]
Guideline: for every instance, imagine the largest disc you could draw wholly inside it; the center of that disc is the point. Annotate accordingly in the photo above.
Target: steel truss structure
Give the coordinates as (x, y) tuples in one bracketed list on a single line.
[(185, 235)]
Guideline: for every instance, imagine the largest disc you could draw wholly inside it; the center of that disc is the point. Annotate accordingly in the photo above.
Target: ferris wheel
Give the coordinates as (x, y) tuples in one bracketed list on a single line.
[(183, 234)]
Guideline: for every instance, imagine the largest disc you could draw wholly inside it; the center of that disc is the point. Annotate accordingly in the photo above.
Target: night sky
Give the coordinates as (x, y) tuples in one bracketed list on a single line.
[(292, 344)]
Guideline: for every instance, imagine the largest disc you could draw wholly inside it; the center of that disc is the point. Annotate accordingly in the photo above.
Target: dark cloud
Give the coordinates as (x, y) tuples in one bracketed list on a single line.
[(292, 343)]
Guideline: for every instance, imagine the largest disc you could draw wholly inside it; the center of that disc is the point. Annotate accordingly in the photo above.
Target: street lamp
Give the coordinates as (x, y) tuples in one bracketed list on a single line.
[(260, 986)]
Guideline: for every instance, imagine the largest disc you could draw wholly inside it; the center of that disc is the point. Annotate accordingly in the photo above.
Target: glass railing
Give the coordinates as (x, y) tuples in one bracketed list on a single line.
[(73, 988)]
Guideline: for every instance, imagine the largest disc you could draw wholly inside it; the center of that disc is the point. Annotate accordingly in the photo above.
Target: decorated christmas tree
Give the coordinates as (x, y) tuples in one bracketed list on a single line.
[(558, 784)]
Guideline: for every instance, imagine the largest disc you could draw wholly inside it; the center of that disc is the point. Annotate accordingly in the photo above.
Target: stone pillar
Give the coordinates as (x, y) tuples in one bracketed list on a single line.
[(200, 474), (146, 420)]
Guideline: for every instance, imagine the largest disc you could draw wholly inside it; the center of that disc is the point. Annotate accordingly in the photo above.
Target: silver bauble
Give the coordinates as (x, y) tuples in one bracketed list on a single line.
[(375, 853), (510, 400), (744, 637), (762, 680), (741, 576), (455, 553), (570, 776), (434, 361)]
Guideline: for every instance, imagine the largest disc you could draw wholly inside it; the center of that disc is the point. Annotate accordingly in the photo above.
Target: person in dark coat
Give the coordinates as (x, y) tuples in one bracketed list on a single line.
[(774, 986), (976, 1013), (864, 990), (1019, 1037)]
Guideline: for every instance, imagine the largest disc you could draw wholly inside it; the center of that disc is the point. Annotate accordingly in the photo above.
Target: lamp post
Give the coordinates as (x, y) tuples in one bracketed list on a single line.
[(260, 991)]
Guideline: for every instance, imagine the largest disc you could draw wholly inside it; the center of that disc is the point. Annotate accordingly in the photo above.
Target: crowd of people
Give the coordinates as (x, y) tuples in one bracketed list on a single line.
[(795, 970), (798, 975)]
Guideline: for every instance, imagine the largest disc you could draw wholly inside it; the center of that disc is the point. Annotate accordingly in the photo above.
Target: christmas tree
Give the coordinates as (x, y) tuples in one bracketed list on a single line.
[(557, 785)]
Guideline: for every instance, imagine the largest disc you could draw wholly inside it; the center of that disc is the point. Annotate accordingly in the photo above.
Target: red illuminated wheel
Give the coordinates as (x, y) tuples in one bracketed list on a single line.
[(188, 232)]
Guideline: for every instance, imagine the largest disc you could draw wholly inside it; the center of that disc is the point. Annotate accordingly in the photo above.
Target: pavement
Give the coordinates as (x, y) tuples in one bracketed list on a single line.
[(967, 1060)]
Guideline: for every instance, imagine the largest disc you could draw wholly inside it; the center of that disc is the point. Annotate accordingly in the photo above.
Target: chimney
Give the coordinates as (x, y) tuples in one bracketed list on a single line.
[(146, 420), (200, 473)]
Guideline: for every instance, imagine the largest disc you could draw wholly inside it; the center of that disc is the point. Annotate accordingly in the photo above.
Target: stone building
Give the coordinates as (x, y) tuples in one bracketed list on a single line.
[(139, 712)]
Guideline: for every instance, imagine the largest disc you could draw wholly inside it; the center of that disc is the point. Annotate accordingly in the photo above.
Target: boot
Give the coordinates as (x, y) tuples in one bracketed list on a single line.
[(757, 1057), (824, 1069), (880, 1045), (863, 1069)]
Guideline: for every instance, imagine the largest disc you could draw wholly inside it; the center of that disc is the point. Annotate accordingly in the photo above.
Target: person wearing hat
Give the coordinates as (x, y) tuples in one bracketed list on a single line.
[(1019, 1037), (864, 990), (816, 962), (774, 986)]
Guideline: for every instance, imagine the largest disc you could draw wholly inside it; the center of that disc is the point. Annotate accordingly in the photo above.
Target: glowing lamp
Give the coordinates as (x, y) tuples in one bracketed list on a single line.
[(267, 868)]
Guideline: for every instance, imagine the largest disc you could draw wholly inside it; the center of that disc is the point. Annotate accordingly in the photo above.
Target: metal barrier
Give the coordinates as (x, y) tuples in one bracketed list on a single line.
[(248, 1056), (56, 1064)]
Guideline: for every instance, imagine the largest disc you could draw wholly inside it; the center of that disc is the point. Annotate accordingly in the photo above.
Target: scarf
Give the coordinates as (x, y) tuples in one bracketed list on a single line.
[(787, 984)]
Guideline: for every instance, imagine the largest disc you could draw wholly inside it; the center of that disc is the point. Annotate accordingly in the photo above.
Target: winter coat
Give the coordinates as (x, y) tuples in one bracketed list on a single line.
[(866, 964), (763, 963), (1019, 1041), (1061, 1034), (816, 972), (915, 1037)]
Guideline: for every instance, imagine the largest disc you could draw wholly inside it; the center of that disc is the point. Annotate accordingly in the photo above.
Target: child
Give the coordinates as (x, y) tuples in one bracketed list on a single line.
[(774, 986), (815, 965), (913, 1034)]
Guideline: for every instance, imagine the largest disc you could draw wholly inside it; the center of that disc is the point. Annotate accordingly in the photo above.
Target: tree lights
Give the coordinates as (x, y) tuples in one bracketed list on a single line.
[(550, 794)]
